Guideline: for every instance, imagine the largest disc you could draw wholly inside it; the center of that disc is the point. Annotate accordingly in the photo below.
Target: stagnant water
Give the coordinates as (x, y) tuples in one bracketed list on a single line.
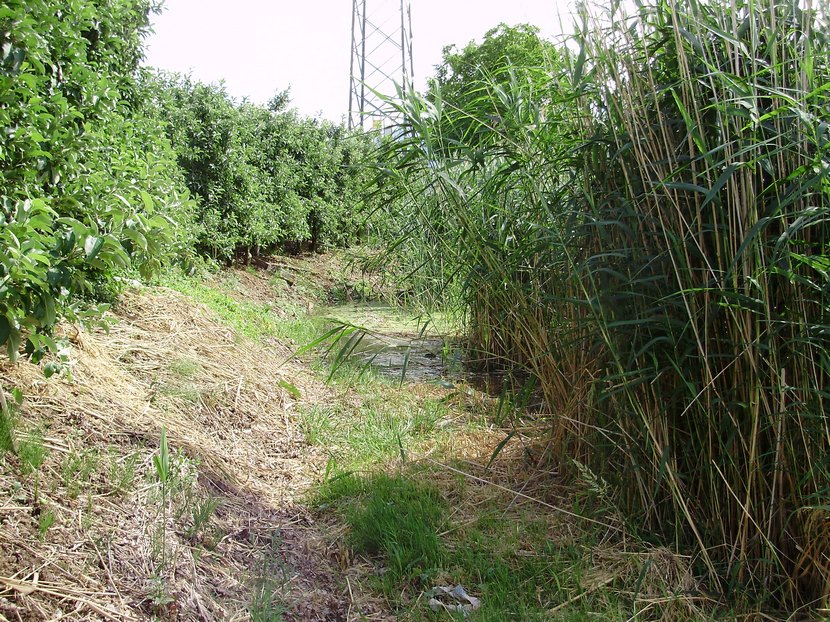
[(415, 358), (396, 344), (399, 343)]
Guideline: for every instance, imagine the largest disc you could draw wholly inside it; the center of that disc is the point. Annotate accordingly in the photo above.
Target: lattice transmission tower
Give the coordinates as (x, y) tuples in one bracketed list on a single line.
[(381, 58)]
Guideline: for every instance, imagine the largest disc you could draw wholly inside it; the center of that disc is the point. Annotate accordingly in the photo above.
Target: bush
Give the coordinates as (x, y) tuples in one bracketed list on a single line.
[(265, 177), (86, 184)]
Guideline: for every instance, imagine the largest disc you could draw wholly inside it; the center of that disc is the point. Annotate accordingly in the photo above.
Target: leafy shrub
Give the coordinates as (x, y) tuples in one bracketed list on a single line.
[(86, 184), (264, 177)]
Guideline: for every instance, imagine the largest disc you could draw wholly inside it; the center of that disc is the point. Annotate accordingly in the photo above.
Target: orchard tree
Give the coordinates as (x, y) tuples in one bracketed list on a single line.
[(86, 183)]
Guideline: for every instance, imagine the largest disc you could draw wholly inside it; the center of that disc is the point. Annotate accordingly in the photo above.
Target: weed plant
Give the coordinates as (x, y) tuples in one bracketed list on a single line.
[(78, 469), (31, 451), (7, 424), (45, 521), (269, 583)]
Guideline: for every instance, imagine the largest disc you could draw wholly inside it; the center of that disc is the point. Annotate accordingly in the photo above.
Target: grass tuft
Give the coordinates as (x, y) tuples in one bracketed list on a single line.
[(398, 518)]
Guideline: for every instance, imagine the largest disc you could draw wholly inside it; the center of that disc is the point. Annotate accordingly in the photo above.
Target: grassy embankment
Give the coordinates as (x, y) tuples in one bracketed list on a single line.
[(280, 496)]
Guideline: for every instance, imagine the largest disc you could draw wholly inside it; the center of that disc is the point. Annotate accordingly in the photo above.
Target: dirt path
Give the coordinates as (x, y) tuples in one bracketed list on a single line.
[(90, 534)]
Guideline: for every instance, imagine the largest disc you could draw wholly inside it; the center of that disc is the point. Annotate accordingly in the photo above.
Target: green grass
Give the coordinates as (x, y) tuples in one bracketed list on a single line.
[(45, 521), (387, 423), (78, 469), (180, 390), (421, 530), (122, 470), (255, 321), (7, 426), (376, 434), (185, 367), (400, 519), (418, 541), (269, 584), (31, 451), (394, 520), (184, 371)]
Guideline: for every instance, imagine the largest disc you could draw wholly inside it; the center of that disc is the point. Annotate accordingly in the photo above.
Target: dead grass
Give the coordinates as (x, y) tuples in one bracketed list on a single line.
[(166, 362), (80, 536)]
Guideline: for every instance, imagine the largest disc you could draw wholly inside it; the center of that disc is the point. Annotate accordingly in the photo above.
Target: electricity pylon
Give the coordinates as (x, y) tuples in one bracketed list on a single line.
[(381, 58)]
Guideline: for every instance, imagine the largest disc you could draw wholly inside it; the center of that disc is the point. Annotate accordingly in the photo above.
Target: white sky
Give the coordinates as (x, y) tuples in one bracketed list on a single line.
[(261, 46)]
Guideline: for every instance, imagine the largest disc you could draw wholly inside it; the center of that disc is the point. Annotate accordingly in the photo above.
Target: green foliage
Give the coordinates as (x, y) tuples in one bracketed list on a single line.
[(269, 585), (122, 471), (85, 183), (78, 469), (46, 520), (8, 420), (255, 321), (506, 557), (201, 510), (90, 189), (31, 452), (649, 239), (161, 461), (397, 518), (388, 423), (479, 78), (27, 446), (265, 177)]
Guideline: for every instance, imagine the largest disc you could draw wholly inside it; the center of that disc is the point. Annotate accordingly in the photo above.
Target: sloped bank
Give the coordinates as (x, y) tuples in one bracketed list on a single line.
[(88, 531)]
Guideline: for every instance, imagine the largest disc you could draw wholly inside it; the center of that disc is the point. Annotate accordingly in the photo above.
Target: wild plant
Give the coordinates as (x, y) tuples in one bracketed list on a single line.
[(162, 464)]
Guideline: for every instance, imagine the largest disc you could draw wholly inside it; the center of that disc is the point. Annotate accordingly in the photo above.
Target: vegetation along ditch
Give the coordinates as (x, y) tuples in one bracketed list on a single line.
[(555, 346)]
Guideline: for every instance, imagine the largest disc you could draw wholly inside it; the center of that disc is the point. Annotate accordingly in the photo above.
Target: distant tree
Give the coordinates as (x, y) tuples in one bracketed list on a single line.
[(481, 78), (265, 177)]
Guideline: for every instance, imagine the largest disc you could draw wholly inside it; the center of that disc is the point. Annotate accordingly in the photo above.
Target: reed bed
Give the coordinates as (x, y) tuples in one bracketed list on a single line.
[(647, 236)]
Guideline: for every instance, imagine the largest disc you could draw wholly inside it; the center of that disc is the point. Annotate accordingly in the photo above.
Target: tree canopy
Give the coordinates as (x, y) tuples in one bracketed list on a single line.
[(482, 78)]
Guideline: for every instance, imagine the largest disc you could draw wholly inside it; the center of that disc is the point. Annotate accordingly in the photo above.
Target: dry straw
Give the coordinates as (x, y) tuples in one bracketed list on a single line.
[(165, 362)]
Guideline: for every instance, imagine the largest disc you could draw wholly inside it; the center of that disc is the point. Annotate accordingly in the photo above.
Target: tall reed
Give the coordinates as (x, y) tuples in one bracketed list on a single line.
[(648, 236), (709, 266)]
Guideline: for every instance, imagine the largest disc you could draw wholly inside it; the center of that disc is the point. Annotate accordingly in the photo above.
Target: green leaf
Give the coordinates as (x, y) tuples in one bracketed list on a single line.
[(92, 246), (499, 448), (51, 368), (134, 236), (148, 201), (712, 194), (293, 391), (161, 460), (13, 344)]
